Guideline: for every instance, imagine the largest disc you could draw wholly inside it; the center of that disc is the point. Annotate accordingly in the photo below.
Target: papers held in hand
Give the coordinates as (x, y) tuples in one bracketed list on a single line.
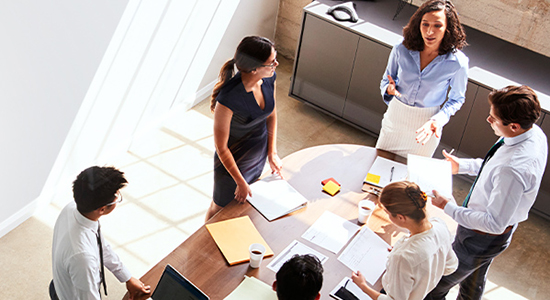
[(383, 171), (431, 174), (274, 197)]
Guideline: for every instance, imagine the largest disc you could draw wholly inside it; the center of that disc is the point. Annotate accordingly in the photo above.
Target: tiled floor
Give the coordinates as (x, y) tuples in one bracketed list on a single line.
[(170, 175)]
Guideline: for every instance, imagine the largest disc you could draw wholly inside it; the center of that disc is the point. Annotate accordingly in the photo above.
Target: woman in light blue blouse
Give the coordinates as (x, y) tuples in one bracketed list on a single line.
[(421, 71)]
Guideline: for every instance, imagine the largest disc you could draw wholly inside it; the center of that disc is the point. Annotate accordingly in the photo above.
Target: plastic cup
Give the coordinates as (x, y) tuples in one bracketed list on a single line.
[(257, 252), (365, 208)]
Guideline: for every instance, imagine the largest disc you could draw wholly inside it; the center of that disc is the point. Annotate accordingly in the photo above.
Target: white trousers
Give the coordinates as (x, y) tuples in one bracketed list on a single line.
[(399, 125)]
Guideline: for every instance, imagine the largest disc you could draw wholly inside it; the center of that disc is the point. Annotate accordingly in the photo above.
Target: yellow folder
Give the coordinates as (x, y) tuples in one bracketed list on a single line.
[(234, 237)]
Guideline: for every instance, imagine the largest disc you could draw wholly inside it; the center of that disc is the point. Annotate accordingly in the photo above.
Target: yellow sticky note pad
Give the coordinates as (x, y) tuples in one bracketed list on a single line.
[(371, 178), (331, 188)]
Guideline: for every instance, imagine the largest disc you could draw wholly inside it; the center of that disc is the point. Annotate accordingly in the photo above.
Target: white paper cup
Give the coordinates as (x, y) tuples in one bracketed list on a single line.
[(365, 208), (257, 252)]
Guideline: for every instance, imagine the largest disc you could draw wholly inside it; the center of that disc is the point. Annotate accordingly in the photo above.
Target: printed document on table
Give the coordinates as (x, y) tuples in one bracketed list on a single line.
[(331, 232), (351, 287), (274, 197), (367, 253), (252, 288), (431, 174), (294, 248)]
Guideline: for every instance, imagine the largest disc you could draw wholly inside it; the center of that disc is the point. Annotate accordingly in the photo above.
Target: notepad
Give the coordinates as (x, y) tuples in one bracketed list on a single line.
[(252, 288), (275, 197), (331, 188), (384, 171), (233, 238)]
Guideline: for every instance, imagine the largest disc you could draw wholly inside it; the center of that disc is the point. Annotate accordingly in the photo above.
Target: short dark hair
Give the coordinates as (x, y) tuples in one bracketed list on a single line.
[(300, 278), (96, 187), (516, 104), (455, 36)]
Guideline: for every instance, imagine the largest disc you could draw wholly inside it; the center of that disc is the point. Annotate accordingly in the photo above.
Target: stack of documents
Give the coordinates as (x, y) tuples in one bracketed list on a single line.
[(234, 236), (331, 232), (384, 171), (274, 198)]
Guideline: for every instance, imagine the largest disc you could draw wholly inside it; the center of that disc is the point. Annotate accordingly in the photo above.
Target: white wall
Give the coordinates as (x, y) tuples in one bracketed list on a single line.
[(50, 52), (164, 55)]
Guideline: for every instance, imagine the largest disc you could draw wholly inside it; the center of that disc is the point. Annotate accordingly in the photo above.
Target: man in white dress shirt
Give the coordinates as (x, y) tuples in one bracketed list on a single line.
[(78, 261), (506, 186)]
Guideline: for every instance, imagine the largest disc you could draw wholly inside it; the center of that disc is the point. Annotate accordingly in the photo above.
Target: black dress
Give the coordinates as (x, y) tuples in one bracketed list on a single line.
[(247, 136)]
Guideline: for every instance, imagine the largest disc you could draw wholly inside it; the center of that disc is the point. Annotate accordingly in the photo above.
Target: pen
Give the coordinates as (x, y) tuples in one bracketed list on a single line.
[(452, 150), (391, 174)]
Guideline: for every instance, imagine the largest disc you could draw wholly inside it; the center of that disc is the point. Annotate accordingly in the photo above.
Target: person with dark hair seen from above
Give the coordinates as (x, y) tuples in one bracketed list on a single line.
[(245, 121), (422, 72), (79, 251), (505, 189), (416, 262), (299, 278)]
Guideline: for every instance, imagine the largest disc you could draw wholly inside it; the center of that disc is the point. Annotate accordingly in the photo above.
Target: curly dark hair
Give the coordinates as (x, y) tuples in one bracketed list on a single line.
[(455, 37)]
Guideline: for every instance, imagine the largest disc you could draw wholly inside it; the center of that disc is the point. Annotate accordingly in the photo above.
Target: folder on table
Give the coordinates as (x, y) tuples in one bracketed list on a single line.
[(233, 238), (274, 197), (384, 171)]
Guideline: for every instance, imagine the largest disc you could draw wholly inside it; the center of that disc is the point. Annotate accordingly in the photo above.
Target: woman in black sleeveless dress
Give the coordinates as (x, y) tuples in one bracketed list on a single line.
[(245, 121)]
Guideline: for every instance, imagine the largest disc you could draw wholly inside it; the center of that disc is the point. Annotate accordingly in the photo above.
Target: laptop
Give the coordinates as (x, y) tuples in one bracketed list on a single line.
[(172, 285)]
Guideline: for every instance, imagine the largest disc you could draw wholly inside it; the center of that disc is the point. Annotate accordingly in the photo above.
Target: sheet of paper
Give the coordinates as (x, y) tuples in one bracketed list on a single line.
[(331, 232), (383, 171), (252, 288), (348, 284), (234, 236), (294, 248), (431, 174), (368, 253), (275, 197)]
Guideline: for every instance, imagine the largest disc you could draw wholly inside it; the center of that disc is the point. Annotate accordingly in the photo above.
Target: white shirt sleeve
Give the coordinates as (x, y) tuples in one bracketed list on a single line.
[(504, 199), (469, 166), (112, 263)]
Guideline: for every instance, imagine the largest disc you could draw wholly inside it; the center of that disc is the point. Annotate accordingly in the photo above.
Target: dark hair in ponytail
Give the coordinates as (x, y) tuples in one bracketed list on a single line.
[(404, 198), (251, 53)]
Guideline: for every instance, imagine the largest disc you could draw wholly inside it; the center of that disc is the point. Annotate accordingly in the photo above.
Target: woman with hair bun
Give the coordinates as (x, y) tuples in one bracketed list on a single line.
[(416, 262), (245, 121), (422, 71)]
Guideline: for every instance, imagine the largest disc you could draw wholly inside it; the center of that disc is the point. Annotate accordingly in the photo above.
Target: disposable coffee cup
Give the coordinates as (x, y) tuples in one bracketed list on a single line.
[(365, 208), (257, 252)]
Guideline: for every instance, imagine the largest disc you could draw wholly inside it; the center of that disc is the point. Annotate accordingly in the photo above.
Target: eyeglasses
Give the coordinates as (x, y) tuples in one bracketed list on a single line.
[(116, 201), (272, 65)]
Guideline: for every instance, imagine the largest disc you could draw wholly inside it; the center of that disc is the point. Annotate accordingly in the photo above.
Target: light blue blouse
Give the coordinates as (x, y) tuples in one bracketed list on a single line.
[(427, 88)]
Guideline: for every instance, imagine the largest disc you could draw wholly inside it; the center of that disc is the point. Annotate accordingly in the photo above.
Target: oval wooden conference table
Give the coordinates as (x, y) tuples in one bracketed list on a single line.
[(199, 259)]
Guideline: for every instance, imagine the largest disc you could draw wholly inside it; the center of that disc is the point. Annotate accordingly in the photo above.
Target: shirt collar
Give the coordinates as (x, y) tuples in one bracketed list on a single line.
[(510, 141), (85, 222)]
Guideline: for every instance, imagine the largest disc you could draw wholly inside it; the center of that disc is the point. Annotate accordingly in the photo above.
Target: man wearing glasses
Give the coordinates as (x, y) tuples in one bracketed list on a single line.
[(79, 252)]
